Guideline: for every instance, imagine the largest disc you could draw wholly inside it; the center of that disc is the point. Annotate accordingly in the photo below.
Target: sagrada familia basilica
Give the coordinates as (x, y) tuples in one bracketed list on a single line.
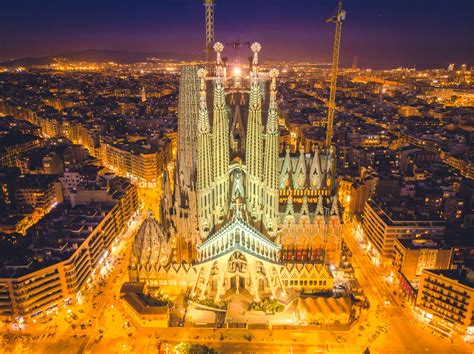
[(242, 213)]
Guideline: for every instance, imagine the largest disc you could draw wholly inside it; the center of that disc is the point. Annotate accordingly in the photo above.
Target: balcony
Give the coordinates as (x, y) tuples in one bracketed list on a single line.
[(36, 287), (448, 288)]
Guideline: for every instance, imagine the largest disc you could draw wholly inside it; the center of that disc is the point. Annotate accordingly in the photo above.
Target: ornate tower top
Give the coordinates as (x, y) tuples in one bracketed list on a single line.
[(272, 122), (202, 73), (255, 87), (273, 75), (218, 47), (203, 115), (255, 49)]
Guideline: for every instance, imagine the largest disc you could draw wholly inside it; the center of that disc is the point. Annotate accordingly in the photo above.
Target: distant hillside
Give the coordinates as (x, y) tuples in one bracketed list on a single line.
[(117, 56), (28, 61)]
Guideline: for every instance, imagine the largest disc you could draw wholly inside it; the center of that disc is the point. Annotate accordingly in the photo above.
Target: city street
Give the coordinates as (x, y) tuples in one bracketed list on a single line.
[(105, 328), (405, 334), (98, 310)]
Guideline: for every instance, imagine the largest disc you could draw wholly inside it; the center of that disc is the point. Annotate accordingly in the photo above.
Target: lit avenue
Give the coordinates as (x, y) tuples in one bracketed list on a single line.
[(234, 203)]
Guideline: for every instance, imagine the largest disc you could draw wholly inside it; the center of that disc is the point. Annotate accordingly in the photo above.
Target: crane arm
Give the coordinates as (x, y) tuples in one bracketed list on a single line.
[(340, 16)]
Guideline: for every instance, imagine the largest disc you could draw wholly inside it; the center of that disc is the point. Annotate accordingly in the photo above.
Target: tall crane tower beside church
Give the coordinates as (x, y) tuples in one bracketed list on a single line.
[(340, 16), (209, 8)]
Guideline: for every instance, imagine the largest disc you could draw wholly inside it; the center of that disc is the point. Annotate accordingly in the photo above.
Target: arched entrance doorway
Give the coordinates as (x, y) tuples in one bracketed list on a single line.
[(237, 269)]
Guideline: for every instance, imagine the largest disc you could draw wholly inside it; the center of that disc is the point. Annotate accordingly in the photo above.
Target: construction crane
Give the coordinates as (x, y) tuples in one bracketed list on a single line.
[(340, 16), (237, 45), (209, 6)]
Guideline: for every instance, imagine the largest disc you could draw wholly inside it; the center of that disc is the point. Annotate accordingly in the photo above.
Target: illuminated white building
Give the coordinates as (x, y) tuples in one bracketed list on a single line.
[(252, 221)]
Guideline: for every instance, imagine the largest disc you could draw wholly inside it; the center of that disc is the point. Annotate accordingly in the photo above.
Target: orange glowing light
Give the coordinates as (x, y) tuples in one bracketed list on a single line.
[(237, 71)]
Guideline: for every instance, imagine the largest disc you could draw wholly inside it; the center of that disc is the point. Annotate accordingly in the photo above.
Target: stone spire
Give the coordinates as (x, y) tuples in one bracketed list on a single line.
[(204, 163), (204, 137), (254, 142), (203, 124), (270, 168), (315, 170), (255, 94), (286, 172), (185, 211), (188, 108), (272, 122), (299, 175), (143, 95), (220, 135)]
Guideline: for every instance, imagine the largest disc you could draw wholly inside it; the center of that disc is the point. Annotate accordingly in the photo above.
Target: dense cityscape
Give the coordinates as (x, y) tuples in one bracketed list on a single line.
[(234, 205)]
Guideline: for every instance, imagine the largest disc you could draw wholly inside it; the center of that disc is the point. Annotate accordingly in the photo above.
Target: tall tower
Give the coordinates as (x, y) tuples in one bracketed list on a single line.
[(254, 140), (204, 168), (143, 95), (220, 138), (188, 108), (340, 16), (209, 8), (185, 215), (270, 162)]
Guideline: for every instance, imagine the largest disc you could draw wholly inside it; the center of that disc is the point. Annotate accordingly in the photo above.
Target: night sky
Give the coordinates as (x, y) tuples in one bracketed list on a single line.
[(381, 33)]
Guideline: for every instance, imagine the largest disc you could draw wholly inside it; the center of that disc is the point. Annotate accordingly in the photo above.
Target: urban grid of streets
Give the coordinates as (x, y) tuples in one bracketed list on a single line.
[(99, 325)]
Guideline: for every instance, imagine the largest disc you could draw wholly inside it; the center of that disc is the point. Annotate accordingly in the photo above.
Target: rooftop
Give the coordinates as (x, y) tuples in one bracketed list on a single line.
[(395, 210), (422, 243), (53, 239), (14, 138), (58, 234), (35, 181), (143, 146), (462, 276)]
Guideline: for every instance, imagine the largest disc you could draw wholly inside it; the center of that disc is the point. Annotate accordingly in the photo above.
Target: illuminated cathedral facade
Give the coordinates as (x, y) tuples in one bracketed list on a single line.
[(243, 215)]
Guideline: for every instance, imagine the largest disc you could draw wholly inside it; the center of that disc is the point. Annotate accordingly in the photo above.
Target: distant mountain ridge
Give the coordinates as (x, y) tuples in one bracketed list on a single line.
[(117, 56)]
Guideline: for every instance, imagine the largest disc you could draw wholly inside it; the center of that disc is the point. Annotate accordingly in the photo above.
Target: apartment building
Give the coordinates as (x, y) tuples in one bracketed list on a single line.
[(412, 256), (73, 244), (140, 161), (446, 300), (386, 219)]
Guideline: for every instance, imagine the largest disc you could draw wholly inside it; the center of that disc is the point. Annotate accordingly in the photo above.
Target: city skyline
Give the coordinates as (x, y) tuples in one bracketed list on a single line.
[(380, 35), (237, 201)]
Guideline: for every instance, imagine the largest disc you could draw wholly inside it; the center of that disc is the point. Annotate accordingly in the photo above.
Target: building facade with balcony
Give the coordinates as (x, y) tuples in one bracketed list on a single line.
[(385, 220), (446, 300), (140, 161), (73, 246), (412, 256)]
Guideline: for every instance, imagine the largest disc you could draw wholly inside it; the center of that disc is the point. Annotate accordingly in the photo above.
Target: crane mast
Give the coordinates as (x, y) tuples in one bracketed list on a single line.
[(209, 7), (340, 16)]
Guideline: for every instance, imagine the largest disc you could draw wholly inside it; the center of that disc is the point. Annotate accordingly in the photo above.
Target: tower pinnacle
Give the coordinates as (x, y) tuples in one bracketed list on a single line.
[(254, 141), (218, 47), (270, 162), (272, 122), (220, 138), (256, 47), (205, 168), (203, 115), (143, 95), (219, 93)]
